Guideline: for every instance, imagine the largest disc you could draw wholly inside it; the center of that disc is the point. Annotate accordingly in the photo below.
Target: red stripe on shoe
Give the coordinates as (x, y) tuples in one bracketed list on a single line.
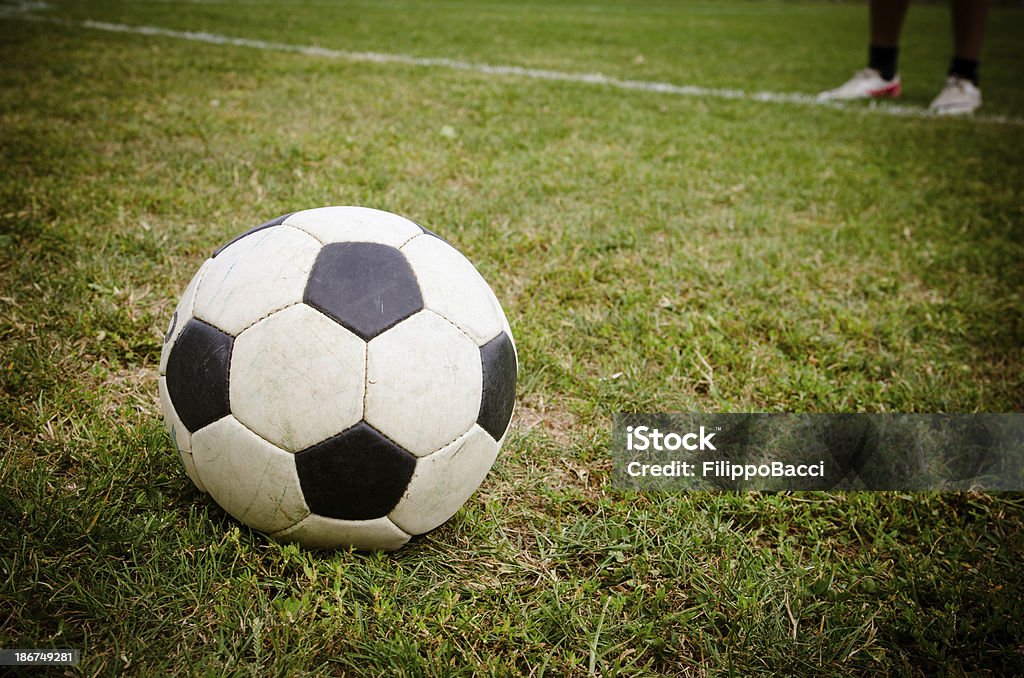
[(892, 90)]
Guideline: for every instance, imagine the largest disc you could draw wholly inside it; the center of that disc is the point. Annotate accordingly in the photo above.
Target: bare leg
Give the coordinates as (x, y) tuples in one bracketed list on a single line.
[(969, 18), (887, 20)]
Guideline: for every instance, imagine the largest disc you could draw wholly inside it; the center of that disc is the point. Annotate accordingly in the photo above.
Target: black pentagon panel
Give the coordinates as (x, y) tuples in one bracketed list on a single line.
[(498, 358), (273, 222), (365, 286), (356, 475), (197, 374)]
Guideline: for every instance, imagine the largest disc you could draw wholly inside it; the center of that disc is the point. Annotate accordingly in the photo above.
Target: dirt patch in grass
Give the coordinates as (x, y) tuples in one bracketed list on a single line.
[(536, 414), (125, 387)]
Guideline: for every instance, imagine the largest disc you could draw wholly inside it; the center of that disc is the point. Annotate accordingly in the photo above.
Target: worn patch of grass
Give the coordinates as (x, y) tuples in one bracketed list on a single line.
[(652, 253)]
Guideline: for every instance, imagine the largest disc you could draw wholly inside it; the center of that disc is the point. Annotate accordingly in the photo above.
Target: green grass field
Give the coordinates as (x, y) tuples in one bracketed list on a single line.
[(653, 252)]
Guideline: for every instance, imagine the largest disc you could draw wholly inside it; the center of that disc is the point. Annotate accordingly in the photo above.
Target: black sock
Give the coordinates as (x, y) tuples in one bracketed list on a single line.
[(883, 60), (964, 68)]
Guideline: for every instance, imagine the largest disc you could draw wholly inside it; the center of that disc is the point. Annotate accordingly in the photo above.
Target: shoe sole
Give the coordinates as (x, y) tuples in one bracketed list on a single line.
[(954, 110), (891, 91)]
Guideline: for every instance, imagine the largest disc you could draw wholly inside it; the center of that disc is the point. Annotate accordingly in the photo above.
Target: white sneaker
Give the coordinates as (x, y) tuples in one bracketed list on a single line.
[(864, 83), (960, 96)]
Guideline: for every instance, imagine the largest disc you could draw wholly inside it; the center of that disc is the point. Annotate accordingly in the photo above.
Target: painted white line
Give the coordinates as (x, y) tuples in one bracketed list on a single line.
[(26, 10), (22, 8)]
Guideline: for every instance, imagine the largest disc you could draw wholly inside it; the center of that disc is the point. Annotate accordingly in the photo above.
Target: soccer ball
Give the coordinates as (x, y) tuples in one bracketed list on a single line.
[(338, 377)]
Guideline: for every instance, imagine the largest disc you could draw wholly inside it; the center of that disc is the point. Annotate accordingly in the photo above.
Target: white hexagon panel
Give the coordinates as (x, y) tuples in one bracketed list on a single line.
[(453, 288), (180, 436), (354, 224), (423, 383), (255, 276), (297, 377), (251, 479), (182, 314), (313, 531), (444, 480)]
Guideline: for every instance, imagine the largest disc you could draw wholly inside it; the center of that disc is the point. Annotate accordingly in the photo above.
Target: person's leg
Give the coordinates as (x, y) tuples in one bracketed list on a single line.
[(969, 19), (886, 20), (961, 95), (880, 78)]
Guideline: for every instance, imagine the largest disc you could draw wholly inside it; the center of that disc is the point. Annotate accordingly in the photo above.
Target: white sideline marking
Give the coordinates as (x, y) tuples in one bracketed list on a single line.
[(26, 10)]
